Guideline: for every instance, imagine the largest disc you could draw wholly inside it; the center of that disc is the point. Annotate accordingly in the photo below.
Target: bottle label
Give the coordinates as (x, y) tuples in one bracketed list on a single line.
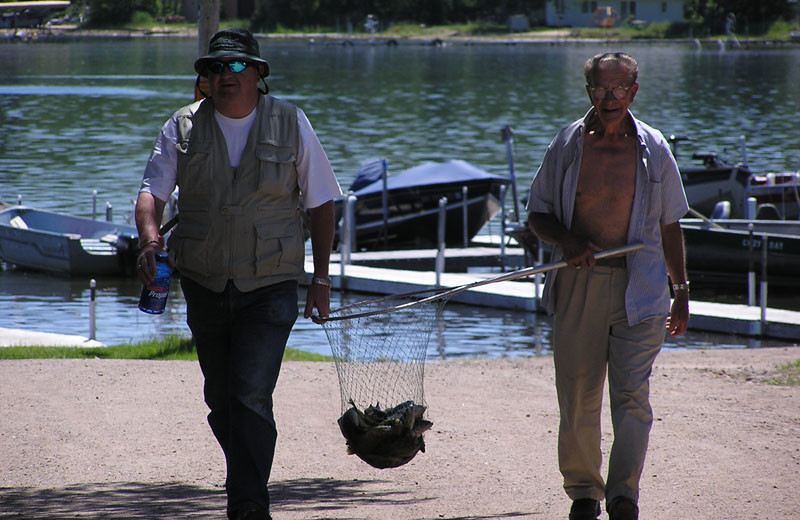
[(153, 299)]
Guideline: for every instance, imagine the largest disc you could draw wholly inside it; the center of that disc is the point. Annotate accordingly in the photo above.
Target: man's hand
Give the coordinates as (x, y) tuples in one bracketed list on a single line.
[(578, 252), (678, 319), (318, 297), (146, 268)]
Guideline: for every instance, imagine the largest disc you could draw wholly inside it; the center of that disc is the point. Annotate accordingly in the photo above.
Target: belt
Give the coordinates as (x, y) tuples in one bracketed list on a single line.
[(613, 261)]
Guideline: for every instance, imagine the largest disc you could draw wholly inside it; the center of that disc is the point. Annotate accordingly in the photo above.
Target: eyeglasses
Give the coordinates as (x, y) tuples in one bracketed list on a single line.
[(600, 93), (216, 67)]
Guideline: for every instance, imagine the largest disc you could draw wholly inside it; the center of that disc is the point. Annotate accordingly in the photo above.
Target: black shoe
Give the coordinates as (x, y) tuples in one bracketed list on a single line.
[(584, 509), (253, 514), (623, 508), (250, 511)]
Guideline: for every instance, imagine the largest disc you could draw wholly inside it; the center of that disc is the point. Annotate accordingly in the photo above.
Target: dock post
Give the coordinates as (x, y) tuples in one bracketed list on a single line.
[(763, 295), (92, 293), (751, 208), (19, 200), (507, 135), (94, 204), (502, 228), (465, 200), (440, 252), (109, 209), (751, 271), (346, 236)]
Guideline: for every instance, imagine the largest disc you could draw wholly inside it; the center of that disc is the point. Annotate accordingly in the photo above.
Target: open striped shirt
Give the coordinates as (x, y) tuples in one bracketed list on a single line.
[(659, 199)]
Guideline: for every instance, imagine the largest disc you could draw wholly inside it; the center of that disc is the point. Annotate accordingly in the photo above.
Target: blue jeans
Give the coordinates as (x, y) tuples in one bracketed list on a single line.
[(240, 338)]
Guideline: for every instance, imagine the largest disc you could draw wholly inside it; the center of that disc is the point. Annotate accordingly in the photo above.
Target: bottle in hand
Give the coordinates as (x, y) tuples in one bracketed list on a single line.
[(153, 299)]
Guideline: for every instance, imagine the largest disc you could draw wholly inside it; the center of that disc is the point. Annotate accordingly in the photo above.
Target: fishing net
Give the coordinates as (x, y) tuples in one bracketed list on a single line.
[(379, 349)]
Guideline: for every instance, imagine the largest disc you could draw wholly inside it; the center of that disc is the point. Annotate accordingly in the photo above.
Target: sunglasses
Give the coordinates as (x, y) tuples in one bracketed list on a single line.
[(216, 67)]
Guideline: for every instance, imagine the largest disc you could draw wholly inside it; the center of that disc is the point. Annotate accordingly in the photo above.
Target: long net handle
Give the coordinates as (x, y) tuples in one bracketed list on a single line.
[(522, 273)]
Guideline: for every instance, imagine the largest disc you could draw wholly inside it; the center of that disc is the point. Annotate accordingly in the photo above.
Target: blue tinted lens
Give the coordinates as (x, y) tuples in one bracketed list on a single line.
[(237, 66), (216, 67)]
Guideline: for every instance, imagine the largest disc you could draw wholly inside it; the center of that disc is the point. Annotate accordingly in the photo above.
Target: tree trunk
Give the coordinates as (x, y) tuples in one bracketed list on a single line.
[(207, 24)]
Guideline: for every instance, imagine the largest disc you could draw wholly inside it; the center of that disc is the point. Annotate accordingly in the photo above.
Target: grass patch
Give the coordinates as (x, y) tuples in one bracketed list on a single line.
[(785, 375), (173, 347), (410, 29)]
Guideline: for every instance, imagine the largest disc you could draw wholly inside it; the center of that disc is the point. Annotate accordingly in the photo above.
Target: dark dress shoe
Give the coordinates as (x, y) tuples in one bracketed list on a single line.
[(623, 508), (584, 509)]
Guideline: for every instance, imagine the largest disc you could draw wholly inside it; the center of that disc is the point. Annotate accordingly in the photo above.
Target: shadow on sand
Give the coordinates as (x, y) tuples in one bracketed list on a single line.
[(140, 501)]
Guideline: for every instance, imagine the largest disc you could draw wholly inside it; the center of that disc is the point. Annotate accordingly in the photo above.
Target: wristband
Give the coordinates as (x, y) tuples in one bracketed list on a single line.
[(681, 286), (321, 281)]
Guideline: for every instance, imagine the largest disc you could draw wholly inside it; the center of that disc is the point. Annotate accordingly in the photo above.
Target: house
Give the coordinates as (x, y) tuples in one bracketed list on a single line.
[(583, 13)]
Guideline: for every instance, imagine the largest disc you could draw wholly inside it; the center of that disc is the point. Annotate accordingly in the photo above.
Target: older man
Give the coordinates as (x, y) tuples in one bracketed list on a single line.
[(241, 160), (608, 180)]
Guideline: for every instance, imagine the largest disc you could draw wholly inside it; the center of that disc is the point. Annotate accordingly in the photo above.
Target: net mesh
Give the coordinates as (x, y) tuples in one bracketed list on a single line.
[(379, 350)]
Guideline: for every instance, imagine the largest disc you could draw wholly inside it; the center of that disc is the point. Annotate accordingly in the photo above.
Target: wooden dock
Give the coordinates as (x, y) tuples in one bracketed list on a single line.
[(394, 272)]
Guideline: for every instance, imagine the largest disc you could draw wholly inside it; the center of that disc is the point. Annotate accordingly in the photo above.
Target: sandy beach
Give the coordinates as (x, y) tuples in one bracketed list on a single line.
[(128, 440)]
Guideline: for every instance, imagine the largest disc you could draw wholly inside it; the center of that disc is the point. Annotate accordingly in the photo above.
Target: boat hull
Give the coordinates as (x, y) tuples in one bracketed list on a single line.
[(409, 217), (728, 250), (413, 215), (68, 245)]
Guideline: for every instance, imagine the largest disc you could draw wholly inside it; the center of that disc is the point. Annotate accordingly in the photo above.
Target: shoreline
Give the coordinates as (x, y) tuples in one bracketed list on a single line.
[(548, 37)]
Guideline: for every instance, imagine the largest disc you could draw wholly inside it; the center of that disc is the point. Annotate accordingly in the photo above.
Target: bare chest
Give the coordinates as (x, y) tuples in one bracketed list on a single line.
[(604, 196), (608, 172)]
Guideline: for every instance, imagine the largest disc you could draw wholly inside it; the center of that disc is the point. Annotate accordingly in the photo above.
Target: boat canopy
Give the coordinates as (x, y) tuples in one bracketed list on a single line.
[(428, 174)]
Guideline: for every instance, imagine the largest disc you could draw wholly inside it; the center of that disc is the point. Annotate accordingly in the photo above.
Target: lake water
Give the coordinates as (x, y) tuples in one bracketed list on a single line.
[(81, 116)]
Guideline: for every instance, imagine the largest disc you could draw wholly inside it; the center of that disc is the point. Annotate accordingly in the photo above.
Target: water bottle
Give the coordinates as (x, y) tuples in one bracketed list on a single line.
[(154, 296)]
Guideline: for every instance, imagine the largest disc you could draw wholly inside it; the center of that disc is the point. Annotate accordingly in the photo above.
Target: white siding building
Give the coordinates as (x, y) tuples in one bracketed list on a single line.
[(579, 13)]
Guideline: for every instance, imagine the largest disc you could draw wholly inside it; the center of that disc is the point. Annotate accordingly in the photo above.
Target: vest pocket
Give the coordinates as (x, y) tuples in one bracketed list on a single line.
[(279, 249), (194, 168), (275, 165), (190, 241)]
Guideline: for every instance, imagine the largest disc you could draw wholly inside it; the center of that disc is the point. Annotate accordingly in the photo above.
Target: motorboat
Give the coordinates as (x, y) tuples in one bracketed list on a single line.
[(401, 210), (69, 245)]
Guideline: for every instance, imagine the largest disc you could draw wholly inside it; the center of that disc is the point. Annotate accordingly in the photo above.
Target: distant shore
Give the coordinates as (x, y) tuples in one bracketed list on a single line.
[(549, 37)]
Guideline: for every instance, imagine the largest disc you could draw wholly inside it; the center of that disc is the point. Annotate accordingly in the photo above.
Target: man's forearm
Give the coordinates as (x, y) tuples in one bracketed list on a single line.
[(322, 228), (547, 227), (674, 252), (149, 210)]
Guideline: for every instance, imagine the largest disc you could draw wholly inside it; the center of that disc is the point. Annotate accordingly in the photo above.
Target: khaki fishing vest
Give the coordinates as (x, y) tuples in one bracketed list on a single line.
[(239, 224)]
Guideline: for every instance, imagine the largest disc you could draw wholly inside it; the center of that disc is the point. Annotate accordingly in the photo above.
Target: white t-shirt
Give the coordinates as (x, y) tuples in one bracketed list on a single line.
[(315, 175)]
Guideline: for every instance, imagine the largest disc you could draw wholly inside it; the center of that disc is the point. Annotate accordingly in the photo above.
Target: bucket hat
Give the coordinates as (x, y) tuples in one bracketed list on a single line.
[(231, 43)]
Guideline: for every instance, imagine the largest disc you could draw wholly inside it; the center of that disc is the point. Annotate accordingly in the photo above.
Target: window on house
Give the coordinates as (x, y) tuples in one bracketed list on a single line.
[(623, 8), (633, 8), (663, 7), (585, 7), (594, 6)]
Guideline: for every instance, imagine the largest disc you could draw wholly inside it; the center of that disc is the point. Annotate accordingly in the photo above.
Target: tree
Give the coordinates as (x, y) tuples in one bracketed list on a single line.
[(755, 17)]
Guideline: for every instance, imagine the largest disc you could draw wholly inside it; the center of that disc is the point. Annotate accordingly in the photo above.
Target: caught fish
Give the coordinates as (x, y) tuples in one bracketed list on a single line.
[(385, 438)]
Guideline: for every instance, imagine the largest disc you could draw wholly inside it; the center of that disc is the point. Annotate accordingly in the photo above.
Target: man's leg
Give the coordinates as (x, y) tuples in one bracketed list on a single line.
[(580, 337), (208, 317), (632, 352), (262, 321)]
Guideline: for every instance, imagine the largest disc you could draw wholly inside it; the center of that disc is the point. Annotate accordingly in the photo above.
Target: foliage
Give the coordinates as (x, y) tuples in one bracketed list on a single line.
[(173, 347), (711, 16), (343, 13), (702, 17), (780, 29), (103, 13)]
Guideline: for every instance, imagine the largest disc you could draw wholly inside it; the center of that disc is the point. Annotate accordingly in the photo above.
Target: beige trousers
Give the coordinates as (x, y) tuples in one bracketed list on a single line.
[(591, 335)]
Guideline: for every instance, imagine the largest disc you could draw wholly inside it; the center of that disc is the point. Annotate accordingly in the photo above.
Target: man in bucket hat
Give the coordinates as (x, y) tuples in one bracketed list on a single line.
[(241, 160)]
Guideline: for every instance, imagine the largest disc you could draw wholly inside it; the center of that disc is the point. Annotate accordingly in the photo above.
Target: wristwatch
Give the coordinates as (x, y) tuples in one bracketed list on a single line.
[(684, 286), (317, 280)]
